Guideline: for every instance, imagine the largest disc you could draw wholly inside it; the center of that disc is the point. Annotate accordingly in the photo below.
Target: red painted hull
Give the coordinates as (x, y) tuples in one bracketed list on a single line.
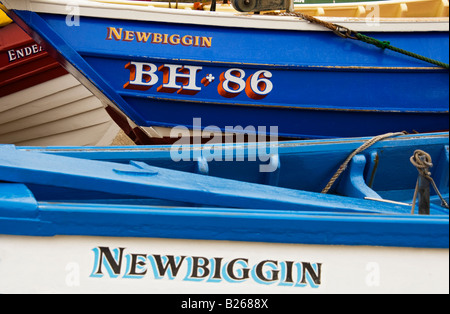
[(23, 63)]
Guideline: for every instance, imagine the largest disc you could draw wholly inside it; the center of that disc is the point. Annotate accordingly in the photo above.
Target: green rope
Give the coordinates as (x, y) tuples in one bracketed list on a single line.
[(387, 45)]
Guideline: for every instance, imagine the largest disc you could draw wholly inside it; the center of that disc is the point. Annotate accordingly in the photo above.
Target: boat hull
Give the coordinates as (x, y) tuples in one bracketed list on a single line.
[(73, 264), (43, 105), (23, 63), (371, 9), (135, 219), (59, 112), (166, 74)]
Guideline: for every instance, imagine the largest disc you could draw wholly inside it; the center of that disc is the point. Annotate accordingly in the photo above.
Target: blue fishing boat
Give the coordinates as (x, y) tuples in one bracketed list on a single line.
[(157, 68), (227, 219)]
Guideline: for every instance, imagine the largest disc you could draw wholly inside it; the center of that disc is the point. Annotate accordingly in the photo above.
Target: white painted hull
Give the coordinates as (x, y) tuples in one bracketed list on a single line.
[(59, 112), (65, 264)]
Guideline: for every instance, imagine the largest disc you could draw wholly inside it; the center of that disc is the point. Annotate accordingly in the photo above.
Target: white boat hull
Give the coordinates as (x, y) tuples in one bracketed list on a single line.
[(74, 264), (59, 112)]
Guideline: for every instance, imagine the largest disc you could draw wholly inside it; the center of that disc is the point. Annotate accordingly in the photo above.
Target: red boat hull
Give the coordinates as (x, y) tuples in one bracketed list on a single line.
[(23, 62), (41, 104)]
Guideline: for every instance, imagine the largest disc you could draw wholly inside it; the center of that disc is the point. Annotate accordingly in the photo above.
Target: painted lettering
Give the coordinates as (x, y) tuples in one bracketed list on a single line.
[(36, 48), (11, 55), (231, 83), (204, 269), (199, 267), (174, 40), (137, 265), (182, 79), (173, 74), (156, 38), (120, 34), (129, 36), (142, 37), (187, 40), (311, 272), (259, 85), (206, 42), (115, 33), (113, 264), (269, 276), (197, 41), (166, 265), (240, 274), (165, 39), (142, 76), (17, 54)]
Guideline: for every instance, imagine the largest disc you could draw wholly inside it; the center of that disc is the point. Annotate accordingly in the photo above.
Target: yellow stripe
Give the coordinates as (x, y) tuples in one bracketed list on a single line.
[(4, 19)]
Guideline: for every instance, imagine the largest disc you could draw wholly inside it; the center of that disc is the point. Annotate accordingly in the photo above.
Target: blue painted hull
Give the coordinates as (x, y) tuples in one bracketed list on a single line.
[(109, 216), (308, 84), (61, 191)]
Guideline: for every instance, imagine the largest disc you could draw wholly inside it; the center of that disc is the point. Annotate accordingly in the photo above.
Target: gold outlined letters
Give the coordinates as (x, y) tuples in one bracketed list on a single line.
[(119, 34)]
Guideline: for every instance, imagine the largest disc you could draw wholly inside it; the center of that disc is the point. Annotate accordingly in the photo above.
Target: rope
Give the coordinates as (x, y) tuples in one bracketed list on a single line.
[(366, 145), (387, 45), (347, 33), (422, 161)]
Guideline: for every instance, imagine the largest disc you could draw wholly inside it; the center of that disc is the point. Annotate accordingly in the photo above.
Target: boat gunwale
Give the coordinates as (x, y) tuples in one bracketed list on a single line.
[(157, 14), (52, 219), (356, 141)]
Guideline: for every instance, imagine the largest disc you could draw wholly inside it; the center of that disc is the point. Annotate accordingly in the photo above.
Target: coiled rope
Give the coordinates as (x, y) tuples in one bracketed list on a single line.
[(422, 161)]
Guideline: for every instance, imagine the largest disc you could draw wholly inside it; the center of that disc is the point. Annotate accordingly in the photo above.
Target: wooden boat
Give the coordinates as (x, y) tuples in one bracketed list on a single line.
[(40, 103), (375, 9), (95, 220), (169, 68), (342, 8)]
